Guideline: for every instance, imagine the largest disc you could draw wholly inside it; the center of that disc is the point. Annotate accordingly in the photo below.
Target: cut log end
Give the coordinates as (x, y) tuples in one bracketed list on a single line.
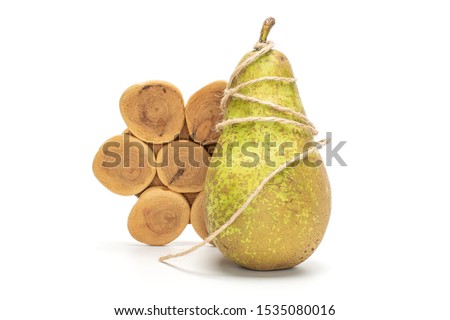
[(159, 216), (182, 166), (153, 111), (122, 165), (203, 112)]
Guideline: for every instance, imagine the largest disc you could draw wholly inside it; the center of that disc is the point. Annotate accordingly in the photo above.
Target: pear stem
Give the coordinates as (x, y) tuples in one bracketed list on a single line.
[(267, 25)]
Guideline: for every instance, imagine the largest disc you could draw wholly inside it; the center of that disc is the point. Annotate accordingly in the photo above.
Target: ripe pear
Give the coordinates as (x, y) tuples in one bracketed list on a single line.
[(286, 221)]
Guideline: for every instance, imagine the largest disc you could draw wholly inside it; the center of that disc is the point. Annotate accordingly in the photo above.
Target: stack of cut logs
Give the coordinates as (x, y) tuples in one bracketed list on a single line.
[(162, 158)]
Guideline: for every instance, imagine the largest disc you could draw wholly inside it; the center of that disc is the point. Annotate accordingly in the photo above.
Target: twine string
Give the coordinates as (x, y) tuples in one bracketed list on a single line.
[(264, 119), (318, 145), (261, 48)]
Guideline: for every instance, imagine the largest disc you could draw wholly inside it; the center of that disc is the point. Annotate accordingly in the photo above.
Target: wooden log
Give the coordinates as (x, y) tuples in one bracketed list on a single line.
[(198, 215), (122, 164), (203, 112), (182, 165), (156, 182), (156, 148), (210, 148), (159, 216), (190, 197), (184, 133), (153, 111)]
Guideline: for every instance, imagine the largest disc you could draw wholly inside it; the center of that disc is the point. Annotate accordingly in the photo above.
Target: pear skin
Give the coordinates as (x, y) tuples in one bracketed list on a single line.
[(287, 220)]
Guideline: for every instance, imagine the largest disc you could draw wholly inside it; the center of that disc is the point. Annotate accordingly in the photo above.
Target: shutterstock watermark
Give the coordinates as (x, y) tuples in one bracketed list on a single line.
[(247, 154)]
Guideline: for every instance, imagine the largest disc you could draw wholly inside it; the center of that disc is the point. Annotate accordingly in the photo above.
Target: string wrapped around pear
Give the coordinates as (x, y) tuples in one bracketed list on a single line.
[(267, 194), (286, 221)]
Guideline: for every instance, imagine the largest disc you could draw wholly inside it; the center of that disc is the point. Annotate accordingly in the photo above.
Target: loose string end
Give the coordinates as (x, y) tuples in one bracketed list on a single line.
[(187, 251)]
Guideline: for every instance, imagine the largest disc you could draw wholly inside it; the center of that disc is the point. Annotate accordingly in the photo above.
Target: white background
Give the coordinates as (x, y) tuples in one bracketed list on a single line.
[(376, 74)]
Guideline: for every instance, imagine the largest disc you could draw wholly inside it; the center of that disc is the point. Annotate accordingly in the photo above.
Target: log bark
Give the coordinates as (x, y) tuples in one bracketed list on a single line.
[(198, 215)]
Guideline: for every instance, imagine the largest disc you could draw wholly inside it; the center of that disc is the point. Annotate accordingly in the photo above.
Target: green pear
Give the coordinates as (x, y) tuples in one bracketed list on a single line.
[(286, 221)]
